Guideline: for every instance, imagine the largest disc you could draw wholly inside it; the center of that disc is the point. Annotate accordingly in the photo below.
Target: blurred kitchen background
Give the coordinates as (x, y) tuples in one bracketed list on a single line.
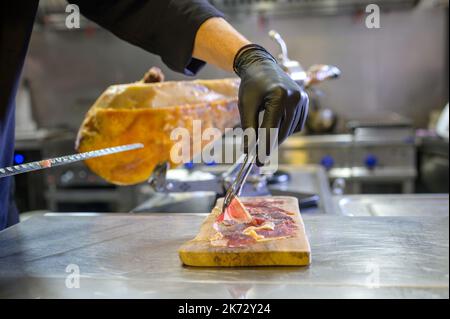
[(371, 131)]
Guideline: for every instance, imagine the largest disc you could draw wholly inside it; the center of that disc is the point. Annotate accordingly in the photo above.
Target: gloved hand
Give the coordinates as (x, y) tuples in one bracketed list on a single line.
[(266, 87)]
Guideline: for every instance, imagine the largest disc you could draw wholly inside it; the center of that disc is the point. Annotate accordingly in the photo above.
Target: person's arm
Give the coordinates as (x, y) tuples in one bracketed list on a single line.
[(264, 85), (217, 43)]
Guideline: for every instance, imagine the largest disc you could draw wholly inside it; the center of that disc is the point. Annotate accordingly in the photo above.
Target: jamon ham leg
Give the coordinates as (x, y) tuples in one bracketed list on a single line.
[(148, 112)]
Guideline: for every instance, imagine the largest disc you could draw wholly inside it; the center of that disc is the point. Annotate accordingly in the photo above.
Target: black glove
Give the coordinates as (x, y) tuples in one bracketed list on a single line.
[(266, 87)]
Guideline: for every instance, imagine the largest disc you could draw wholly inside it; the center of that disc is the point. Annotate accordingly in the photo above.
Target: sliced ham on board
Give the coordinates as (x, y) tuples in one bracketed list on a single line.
[(255, 231)]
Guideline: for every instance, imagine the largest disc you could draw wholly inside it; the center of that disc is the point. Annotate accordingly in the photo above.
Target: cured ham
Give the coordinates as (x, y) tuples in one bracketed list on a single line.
[(275, 236), (147, 112), (252, 220), (236, 212)]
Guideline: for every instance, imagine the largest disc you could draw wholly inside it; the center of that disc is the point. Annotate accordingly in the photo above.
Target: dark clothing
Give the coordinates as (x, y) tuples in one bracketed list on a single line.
[(16, 22), (163, 27)]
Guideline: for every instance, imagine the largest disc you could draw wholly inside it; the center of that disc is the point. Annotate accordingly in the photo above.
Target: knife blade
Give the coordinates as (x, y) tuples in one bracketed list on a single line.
[(67, 159)]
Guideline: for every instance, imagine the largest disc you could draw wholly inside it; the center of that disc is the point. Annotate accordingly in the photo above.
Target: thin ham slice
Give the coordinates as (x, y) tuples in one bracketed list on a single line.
[(252, 220), (235, 212)]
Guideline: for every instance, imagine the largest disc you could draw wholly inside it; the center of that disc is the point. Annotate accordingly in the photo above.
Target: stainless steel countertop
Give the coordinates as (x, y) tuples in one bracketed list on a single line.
[(131, 255), (392, 205)]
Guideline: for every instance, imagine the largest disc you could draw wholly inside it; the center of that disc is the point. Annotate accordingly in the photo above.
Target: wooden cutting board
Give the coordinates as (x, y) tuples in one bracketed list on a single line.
[(293, 251)]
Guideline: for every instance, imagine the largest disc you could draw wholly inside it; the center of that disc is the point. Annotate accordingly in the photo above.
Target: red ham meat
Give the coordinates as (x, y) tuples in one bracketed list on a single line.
[(275, 236), (236, 212), (252, 220)]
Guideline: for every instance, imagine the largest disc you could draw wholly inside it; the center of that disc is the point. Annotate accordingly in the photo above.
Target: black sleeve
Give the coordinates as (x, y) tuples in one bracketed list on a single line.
[(164, 27)]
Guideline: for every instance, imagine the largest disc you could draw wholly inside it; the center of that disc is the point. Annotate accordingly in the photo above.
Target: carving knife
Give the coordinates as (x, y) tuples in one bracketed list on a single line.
[(63, 160)]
